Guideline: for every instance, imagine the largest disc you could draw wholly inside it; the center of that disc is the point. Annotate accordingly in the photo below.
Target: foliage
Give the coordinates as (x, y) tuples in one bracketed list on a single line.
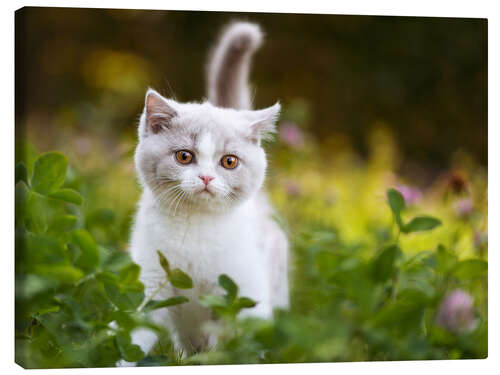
[(69, 289), (229, 305), (369, 273), (358, 308)]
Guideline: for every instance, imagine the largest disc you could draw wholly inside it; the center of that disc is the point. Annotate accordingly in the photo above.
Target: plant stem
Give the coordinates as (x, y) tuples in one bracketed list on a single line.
[(150, 298)]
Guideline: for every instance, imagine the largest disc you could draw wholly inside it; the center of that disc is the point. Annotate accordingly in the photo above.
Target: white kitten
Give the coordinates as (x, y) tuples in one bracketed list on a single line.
[(202, 168)]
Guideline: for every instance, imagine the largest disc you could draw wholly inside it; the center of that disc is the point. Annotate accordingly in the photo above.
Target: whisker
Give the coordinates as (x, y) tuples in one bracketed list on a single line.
[(179, 194), (164, 197), (169, 197), (164, 194), (180, 200)]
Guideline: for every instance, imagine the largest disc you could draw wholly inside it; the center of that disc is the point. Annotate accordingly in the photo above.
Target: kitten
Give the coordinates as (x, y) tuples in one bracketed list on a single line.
[(202, 167)]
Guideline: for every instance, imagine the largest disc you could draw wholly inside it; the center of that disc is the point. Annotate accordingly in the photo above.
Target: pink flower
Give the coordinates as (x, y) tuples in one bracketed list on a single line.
[(293, 188), (480, 238), (330, 196), (83, 145), (291, 134), (410, 194), (456, 313), (463, 207)]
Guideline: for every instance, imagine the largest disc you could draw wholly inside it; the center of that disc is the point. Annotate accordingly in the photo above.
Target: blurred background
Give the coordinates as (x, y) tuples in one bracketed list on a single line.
[(406, 94), (424, 78)]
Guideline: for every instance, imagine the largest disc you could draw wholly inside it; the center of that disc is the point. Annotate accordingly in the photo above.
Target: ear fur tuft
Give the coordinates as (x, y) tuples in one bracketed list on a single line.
[(158, 112), (263, 126)]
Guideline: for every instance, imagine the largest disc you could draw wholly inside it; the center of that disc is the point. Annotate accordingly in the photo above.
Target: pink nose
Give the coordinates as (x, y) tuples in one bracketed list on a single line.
[(206, 179)]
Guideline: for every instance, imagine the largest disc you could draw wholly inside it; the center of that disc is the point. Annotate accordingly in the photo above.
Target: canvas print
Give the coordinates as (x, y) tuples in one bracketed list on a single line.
[(198, 188)]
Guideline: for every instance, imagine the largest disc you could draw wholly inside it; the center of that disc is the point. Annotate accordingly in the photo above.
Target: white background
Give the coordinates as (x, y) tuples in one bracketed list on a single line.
[(456, 8)]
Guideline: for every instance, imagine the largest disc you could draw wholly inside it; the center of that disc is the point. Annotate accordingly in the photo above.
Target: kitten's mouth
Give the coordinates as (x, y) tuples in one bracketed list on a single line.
[(205, 191)]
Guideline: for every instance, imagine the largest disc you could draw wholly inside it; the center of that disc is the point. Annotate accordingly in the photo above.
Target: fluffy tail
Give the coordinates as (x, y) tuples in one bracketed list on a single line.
[(229, 65)]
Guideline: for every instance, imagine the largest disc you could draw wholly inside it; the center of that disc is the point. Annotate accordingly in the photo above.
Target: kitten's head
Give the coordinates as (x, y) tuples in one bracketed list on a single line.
[(199, 157)]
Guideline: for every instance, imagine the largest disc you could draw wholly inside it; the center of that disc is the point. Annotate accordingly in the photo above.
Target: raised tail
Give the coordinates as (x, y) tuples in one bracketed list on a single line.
[(229, 64)]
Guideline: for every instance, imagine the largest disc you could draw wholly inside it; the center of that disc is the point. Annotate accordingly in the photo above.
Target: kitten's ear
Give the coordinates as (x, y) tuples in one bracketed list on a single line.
[(263, 123), (158, 112)]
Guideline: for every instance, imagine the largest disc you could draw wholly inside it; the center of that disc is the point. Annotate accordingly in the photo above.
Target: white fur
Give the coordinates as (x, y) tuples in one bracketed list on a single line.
[(229, 230), (206, 246), (229, 66)]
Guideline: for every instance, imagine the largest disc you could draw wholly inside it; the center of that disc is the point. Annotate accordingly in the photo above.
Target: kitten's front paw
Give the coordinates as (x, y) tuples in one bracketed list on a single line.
[(123, 363)]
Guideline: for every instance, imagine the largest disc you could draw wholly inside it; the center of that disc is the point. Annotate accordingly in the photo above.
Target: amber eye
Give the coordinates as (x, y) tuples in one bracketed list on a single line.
[(184, 157), (229, 161)]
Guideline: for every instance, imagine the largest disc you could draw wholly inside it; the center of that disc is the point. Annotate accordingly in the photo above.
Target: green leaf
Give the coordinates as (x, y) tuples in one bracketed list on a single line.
[(327, 262), (130, 352), (49, 172), (228, 284), (441, 336), (108, 278), (93, 301), (397, 204), (443, 261), (470, 269), (154, 305), (212, 301), (21, 173), (163, 262), (244, 303), (124, 320), (89, 253), (396, 200), (130, 274), (63, 273), (114, 261), (21, 195), (383, 267), (405, 314), (44, 250), (125, 296), (49, 308), (38, 212), (25, 152), (421, 223), (68, 195), (63, 223), (132, 287), (32, 285), (129, 301), (179, 279), (129, 279)]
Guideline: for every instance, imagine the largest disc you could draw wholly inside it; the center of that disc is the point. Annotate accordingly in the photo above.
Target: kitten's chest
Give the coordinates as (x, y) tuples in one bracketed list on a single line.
[(207, 248)]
